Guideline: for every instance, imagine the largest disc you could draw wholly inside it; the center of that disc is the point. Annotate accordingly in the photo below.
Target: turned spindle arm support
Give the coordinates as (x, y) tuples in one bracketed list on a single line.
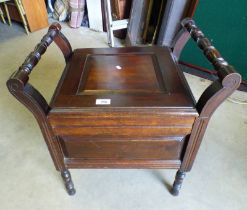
[(31, 98), (17, 83), (228, 81)]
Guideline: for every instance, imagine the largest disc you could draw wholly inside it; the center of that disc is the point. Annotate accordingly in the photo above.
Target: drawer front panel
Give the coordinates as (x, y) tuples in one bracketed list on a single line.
[(165, 149)]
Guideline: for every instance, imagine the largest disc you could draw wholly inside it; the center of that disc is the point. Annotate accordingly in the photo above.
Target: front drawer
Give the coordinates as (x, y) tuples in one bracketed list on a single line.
[(168, 148)]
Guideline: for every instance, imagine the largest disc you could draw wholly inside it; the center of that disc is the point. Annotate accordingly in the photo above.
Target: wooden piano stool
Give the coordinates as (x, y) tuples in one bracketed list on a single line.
[(124, 107)]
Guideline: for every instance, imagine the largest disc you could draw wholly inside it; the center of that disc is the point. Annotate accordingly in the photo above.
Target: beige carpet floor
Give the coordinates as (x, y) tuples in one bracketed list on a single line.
[(29, 180)]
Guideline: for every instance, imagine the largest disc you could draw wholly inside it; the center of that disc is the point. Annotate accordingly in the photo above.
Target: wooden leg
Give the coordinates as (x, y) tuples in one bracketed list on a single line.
[(178, 182), (2, 17), (22, 12), (68, 182), (7, 13)]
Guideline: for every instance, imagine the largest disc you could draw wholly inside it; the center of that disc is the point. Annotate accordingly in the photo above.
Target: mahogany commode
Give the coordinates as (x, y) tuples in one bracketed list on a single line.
[(124, 107)]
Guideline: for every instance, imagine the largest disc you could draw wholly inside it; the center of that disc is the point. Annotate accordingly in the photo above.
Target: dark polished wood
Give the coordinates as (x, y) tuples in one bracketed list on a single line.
[(123, 107), (213, 96), (68, 182), (180, 175), (31, 98)]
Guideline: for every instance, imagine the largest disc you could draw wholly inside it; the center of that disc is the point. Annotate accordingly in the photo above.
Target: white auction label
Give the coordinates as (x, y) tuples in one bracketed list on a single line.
[(103, 101)]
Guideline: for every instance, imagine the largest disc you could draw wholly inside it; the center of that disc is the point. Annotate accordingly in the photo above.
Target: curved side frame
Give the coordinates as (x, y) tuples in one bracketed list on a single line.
[(228, 81), (214, 95), (31, 98)]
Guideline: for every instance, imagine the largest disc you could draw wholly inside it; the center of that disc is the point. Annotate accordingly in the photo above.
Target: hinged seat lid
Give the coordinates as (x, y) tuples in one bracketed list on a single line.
[(144, 77)]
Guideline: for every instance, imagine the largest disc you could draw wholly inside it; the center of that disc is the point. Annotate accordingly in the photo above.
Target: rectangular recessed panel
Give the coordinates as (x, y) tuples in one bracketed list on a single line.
[(107, 74), (166, 149), (143, 77)]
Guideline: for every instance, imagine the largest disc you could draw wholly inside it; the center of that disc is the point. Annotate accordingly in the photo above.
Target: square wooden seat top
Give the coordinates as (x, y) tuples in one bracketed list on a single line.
[(139, 77)]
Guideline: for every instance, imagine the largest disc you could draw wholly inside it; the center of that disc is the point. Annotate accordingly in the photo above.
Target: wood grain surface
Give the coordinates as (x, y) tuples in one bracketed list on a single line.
[(36, 14)]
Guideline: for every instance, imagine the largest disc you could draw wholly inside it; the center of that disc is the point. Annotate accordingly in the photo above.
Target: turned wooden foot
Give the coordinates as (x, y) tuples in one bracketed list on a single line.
[(68, 182), (177, 183)]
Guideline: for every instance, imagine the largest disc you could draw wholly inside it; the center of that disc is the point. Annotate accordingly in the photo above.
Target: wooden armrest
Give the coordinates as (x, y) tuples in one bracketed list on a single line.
[(212, 54), (228, 81), (31, 98), (33, 58), (17, 83)]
